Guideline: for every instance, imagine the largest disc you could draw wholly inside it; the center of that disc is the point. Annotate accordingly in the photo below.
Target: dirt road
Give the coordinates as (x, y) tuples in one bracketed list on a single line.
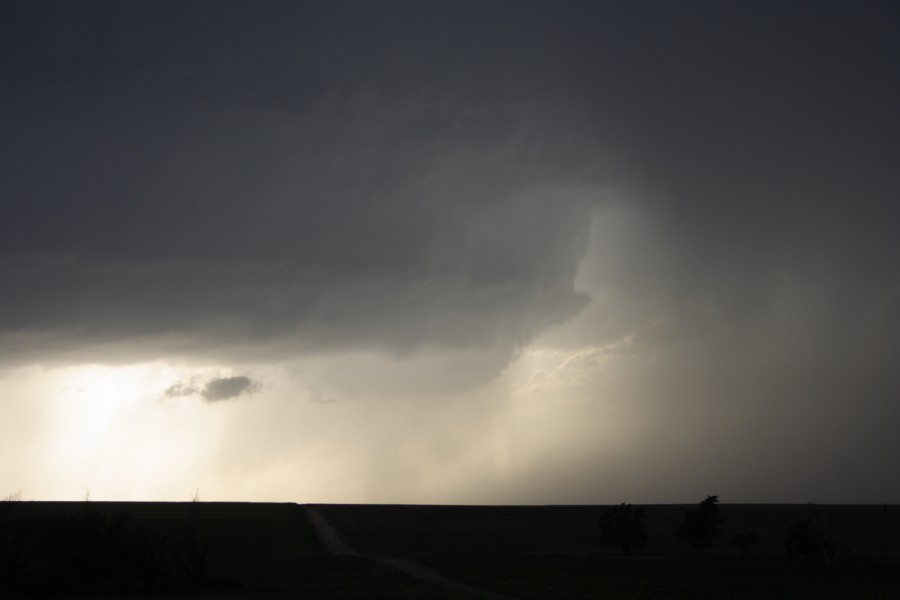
[(327, 534), (337, 546)]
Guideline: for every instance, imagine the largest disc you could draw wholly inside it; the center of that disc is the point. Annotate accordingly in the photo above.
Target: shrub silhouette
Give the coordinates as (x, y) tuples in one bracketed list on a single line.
[(16, 530), (810, 540), (744, 540), (146, 558), (622, 526), (82, 551), (191, 550), (700, 527)]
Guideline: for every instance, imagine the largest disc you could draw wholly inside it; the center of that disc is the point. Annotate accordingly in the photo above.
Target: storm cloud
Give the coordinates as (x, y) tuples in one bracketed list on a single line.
[(674, 225), (309, 193), (189, 212)]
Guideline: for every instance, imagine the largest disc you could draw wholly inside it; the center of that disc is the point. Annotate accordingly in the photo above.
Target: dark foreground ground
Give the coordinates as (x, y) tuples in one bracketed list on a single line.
[(245, 551), (553, 552)]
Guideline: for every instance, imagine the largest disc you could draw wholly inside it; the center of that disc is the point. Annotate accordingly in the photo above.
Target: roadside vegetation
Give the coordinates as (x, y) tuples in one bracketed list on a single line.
[(162, 548), (83, 547)]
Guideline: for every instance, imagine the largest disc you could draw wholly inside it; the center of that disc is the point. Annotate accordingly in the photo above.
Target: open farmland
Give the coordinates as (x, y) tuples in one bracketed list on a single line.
[(553, 552), (251, 549), (243, 544), (672, 577), (394, 530), (534, 553)]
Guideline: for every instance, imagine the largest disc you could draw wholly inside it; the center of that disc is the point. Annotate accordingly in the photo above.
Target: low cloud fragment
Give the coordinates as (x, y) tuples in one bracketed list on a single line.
[(226, 388), (318, 397), (180, 390), (215, 389)]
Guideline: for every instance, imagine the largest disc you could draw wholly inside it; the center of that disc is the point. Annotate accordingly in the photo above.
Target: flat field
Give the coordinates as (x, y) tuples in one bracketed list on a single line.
[(553, 552), (405, 530), (533, 552), (672, 577), (255, 550)]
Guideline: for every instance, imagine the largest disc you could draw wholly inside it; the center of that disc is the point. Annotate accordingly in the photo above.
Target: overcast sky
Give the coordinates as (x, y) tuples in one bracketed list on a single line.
[(480, 252)]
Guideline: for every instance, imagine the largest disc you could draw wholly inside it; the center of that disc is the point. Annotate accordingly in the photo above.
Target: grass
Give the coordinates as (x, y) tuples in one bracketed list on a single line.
[(583, 577), (337, 577), (531, 552), (553, 552), (252, 548), (419, 530), (232, 529)]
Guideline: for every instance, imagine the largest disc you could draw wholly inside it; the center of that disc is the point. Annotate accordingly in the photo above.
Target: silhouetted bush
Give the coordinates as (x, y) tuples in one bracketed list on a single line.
[(700, 527), (813, 540), (744, 540), (191, 550), (145, 561), (17, 526), (623, 526)]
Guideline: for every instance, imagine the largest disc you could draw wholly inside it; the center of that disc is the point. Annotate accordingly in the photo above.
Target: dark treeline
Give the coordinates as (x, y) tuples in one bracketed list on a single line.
[(811, 538)]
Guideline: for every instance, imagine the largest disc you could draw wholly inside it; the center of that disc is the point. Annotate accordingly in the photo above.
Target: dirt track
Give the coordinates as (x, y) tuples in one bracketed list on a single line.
[(336, 546), (327, 534)]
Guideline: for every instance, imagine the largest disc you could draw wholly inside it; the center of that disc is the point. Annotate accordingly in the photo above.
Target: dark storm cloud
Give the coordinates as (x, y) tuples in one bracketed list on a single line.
[(275, 184), (210, 175), (226, 388)]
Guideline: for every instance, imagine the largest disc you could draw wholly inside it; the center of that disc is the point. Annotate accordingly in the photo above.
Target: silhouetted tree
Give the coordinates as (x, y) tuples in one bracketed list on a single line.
[(700, 527), (806, 538), (744, 540), (192, 549), (623, 526)]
